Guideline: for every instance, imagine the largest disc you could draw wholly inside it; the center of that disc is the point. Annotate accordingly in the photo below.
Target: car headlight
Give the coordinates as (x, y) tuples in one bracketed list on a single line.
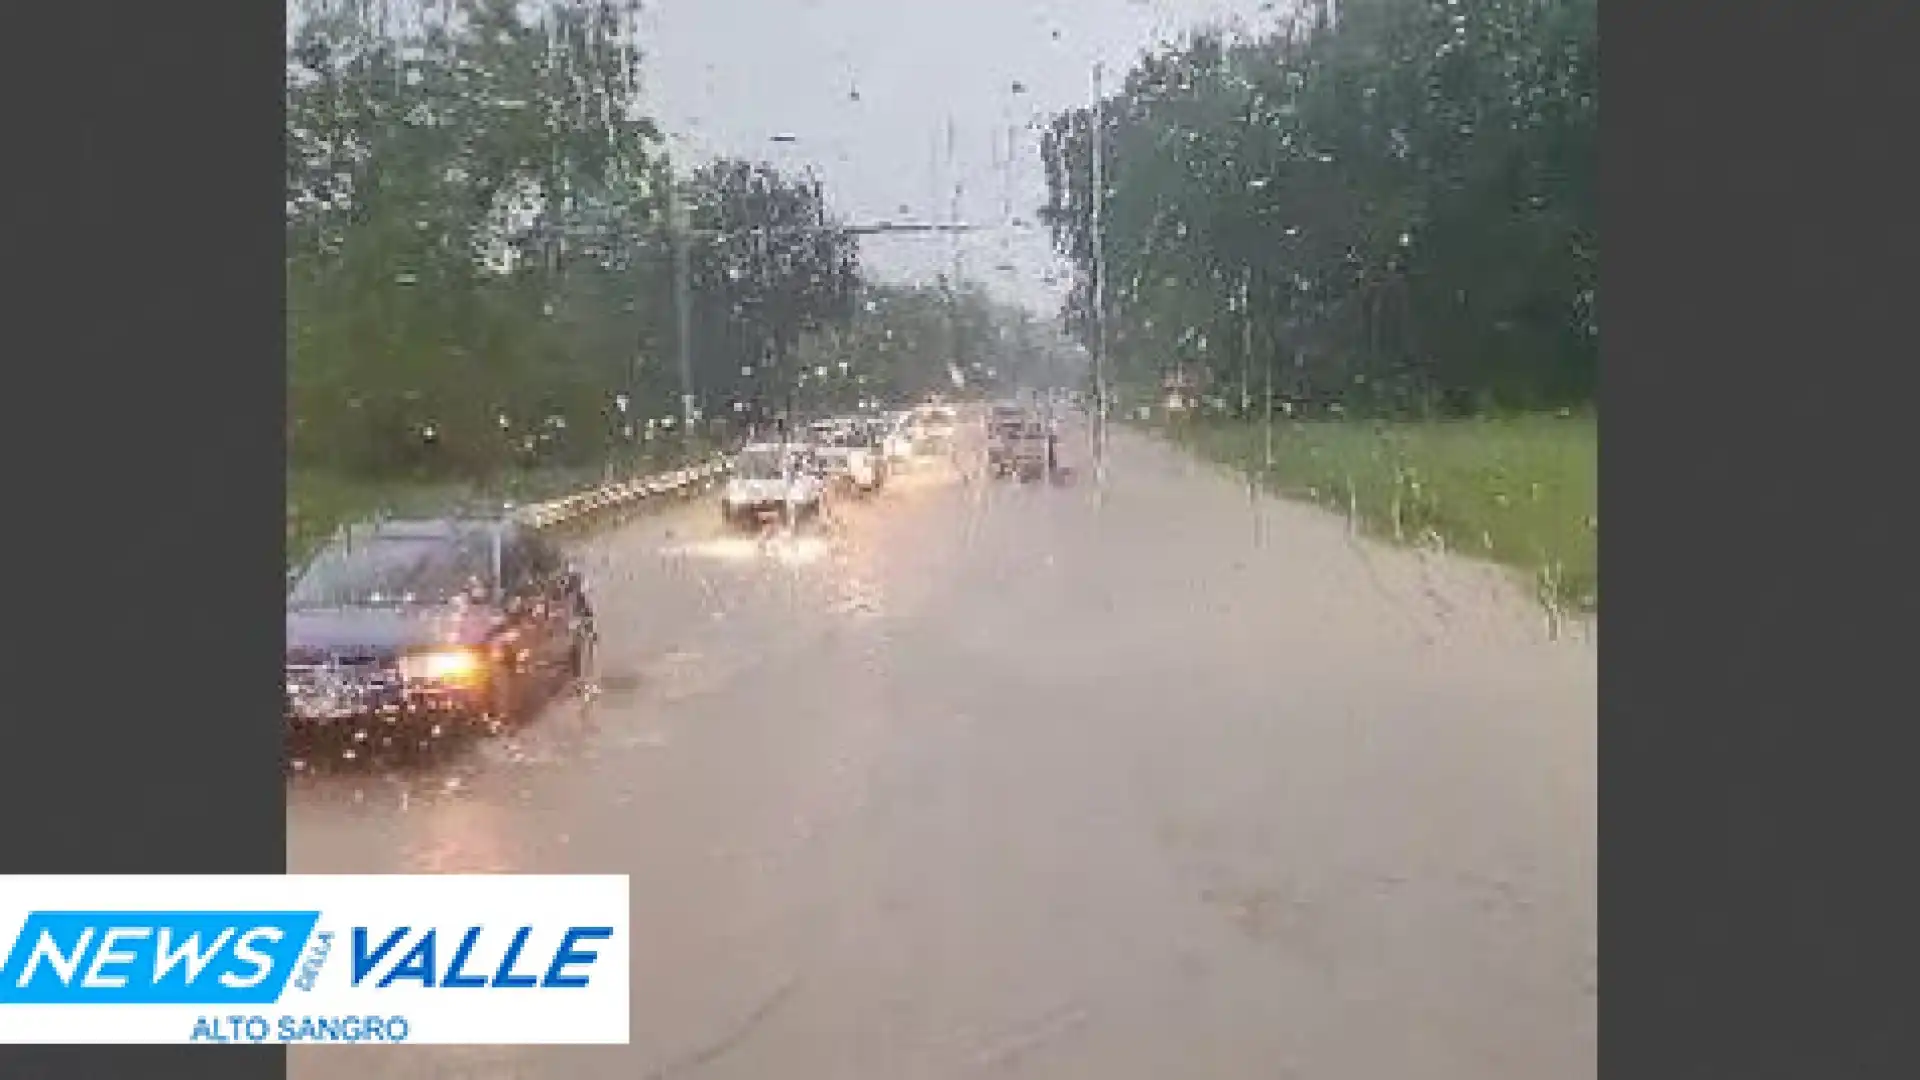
[(459, 666)]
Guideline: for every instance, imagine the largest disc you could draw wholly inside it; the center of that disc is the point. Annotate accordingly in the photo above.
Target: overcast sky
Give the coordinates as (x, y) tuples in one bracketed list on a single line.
[(867, 87)]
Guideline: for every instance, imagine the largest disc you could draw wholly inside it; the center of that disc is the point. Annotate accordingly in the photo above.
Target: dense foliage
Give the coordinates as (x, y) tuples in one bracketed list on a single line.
[(769, 266), (463, 192), (1392, 212), (480, 237)]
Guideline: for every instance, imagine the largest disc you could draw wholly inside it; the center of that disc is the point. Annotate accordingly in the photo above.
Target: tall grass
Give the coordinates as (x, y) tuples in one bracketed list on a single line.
[(1523, 491)]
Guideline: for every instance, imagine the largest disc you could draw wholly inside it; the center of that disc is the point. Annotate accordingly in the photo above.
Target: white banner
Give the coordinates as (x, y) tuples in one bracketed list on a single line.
[(496, 959)]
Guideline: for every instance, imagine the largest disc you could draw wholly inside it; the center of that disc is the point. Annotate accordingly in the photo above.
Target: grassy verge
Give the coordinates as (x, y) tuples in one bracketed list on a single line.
[(1522, 491), (319, 501)]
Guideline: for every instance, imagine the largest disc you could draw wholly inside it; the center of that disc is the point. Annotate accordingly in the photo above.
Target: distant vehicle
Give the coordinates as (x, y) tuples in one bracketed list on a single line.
[(1020, 445), (937, 417), (849, 450), (1181, 389), (896, 442), (416, 628), (773, 480), (933, 429), (1005, 412)]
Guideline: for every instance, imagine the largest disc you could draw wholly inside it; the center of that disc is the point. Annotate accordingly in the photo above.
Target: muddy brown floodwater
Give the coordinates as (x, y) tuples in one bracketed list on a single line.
[(1031, 781)]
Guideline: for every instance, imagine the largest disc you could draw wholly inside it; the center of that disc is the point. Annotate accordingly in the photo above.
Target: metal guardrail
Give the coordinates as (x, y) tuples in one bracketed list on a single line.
[(581, 505)]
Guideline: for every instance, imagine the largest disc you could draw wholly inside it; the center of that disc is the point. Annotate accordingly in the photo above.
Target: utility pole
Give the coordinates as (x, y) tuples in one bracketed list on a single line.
[(1098, 152), (1246, 346), (1269, 420), (681, 238), (953, 274)]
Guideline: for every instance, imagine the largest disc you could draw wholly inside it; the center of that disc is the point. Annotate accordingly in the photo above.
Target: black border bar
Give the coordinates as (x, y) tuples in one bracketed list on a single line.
[(144, 447)]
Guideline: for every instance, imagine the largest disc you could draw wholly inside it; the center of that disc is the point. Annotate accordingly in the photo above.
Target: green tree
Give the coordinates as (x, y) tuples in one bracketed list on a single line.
[(1394, 212), (471, 189), (769, 266)]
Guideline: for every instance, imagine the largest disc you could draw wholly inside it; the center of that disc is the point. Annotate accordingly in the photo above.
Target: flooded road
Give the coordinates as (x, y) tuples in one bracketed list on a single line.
[(1023, 781)]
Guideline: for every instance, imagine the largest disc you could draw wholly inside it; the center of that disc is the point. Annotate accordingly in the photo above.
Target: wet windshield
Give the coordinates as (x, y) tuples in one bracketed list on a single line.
[(393, 571), (762, 465), (1195, 677)]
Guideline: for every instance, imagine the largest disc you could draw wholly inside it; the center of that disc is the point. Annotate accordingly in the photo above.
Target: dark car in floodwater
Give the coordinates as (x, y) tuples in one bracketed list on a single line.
[(407, 630)]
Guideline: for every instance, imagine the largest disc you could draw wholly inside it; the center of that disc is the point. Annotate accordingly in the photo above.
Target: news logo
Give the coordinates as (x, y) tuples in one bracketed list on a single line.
[(154, 957), (500, 959)]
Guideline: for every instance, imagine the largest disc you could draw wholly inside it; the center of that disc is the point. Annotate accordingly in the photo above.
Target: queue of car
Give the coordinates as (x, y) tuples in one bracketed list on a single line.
[(406, 630)]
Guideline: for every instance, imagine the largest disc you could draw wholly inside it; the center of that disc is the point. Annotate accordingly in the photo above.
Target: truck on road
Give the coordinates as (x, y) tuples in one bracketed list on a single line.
[(1019, 443)]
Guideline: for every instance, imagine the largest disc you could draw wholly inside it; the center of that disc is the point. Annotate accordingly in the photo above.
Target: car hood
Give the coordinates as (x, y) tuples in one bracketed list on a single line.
[(758, 490), (383, 631)]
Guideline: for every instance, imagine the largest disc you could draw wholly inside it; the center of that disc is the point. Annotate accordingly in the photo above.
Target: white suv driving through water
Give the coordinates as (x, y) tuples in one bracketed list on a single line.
[(773, 481)]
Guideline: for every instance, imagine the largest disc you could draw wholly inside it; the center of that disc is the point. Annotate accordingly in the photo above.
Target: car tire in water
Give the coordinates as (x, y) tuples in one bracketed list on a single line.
[(418, 733), (402, 735), (505, 697), (580, 658)]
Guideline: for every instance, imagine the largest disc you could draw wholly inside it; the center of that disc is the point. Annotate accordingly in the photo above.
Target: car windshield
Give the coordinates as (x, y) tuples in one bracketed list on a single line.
[(383, 571), (761, 465), (1090, 513)]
